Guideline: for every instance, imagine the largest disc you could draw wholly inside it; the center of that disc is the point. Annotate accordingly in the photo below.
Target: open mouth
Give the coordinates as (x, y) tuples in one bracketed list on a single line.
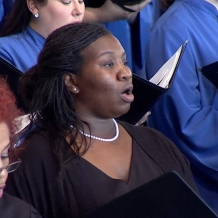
[(127, 95), (128, 91)]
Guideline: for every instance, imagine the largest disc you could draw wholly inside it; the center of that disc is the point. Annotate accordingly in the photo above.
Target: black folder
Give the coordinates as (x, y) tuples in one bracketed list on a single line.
[(167, 196), (12, 75), (211, 73), (146, 95)]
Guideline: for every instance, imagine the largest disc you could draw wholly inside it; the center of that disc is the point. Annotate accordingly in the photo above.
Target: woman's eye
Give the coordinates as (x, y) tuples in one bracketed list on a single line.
[(109, 64), (81, 2), (125, 63), (4, 157), (66, 3)]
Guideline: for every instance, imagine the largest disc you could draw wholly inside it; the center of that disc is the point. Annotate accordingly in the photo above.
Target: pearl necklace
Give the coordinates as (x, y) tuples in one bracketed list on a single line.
[(102, 139)]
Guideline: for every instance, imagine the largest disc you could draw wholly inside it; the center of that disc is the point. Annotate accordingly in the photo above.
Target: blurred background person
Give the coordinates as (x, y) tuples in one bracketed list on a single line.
[(188, 112), (9, 206), (23, 39), (29, 24)]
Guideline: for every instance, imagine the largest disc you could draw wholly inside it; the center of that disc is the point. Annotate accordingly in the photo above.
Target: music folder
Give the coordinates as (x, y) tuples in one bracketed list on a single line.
[(12, 75), (167, 196), (148, 92)]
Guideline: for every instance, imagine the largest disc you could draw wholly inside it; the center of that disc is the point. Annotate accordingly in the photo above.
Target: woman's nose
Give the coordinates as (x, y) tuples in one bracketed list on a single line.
[(78, 9), (3, 171), (125, 73)]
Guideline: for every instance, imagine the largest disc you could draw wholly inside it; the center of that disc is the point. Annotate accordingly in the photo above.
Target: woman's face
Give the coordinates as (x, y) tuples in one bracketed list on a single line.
[(4, 161), (57, 13), (105, 81)]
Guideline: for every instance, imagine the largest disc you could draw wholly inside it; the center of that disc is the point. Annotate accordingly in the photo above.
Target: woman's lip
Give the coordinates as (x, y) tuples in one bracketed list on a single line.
[(127, 97), (126, 94)]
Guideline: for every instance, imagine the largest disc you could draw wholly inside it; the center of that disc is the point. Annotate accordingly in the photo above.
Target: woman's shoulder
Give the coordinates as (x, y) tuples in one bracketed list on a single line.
[(36, 146), (162, 150), (18, 40), (11, 40), (35, 136), (155, 144), (15, 208), (18, 50), (143, 132)]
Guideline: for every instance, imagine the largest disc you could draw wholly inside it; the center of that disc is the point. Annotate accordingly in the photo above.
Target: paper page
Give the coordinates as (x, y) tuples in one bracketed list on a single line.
[(165, 73), (21, 122)]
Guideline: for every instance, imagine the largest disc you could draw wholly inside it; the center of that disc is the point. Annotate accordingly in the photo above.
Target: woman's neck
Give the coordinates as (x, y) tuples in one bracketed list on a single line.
[(36, 27), (99, 127)]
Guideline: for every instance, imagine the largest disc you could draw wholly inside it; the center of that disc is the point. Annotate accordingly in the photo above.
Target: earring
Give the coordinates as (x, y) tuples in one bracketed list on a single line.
[(74, 88), (36, 15)]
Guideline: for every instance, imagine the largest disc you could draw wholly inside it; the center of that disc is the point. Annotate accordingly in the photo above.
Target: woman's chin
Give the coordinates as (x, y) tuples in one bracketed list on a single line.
[(123, 111)]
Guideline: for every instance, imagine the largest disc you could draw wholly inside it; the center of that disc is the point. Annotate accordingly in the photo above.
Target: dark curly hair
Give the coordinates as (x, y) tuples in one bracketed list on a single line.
[(44, 91)]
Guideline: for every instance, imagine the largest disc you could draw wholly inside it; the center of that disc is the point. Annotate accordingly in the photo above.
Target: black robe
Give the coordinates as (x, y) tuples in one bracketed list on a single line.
[(36, 180), (11, 207)]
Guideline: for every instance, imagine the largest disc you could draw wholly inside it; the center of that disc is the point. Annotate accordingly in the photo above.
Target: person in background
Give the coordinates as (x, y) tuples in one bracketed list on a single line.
[(29, 24), (79, 157), (188, 112), (31, 21), (9, 206)]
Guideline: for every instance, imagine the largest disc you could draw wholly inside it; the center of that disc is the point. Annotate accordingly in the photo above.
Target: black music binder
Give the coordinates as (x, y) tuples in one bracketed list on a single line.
[(148, 93), (167, 196)]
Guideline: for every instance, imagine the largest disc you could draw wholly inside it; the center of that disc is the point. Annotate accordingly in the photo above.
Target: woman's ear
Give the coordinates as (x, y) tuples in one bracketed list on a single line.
[(71, 83), (33, 6)]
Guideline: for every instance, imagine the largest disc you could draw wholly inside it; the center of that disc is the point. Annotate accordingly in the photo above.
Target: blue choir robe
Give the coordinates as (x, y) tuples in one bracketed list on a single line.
[(188, 112), (22, 49)]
